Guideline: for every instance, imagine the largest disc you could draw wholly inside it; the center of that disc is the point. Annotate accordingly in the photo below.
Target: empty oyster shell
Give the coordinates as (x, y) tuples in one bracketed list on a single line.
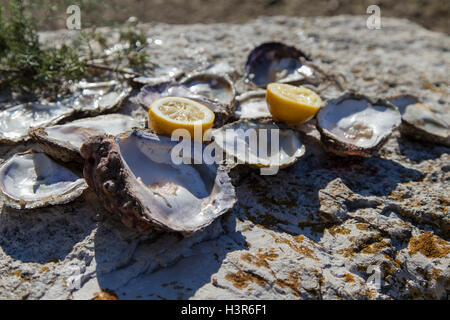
[(243, 140), (150, 93), (276, 62), (15, 121), (419, 122), (158, 75), (356, 125), (31, 180), (87, 99), (252, 105), (97, 97), (63, 142), (134, 175), (211, 85)]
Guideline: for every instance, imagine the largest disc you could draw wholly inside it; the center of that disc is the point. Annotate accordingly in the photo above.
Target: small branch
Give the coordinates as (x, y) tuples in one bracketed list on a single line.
[(11, 70), (107, 68)]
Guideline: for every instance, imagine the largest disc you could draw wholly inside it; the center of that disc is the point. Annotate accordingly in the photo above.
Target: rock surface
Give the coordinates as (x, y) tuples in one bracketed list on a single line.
[(326, 228)]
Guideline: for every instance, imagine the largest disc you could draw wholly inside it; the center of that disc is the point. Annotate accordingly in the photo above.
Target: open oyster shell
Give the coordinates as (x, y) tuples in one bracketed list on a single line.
[(31, 180), (134, 176), (252, 105), (150, 93), (243, 141), (63, 142), (158, 75), (421, 123), (354, 124), (214, 86), (276, 62), (15, 121), (87, 99), (97, 97)]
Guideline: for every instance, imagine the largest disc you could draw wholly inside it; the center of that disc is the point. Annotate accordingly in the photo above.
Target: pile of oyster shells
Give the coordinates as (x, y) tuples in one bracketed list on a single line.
[(130, 168)]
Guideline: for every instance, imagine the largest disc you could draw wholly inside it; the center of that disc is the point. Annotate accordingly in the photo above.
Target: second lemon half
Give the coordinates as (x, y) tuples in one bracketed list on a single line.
[(170, 113), (290, 104)]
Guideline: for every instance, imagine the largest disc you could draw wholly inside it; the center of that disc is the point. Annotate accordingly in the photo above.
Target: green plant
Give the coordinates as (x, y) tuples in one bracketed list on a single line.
[(28, 66), (25, 64)]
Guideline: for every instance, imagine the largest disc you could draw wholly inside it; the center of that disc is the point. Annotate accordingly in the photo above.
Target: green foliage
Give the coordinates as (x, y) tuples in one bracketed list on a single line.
[(28, 66), (25, 65)]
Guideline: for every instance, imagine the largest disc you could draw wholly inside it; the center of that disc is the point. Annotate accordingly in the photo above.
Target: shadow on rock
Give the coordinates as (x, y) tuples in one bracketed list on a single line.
[(291, 202), (161, 265), (44, 235), (373, 176), (420, 151)]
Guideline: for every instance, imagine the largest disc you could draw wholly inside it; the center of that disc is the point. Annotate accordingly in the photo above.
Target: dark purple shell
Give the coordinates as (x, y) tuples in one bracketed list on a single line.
[(274, 62)]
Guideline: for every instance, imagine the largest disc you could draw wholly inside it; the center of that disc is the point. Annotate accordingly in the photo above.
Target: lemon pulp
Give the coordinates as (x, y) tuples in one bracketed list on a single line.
[(168, 114)]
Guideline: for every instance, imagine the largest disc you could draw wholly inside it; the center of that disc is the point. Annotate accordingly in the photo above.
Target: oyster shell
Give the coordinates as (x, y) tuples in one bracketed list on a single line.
[(252, 105), (31, 180), (97, 97), (63, 142), (158, 75), (242, 140), (150, 93), (87, 99), (15, 121), (421, 123), (134, 175), (356, 125), (276, 62), (213, 86)]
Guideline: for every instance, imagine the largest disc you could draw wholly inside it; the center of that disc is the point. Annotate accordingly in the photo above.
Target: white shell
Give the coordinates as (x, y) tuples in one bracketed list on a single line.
[(356, 123), (73, 134), (252, 105), (15, 121), (234, 140), (32, 180), (420, 122), (214, 86), (87, 99)]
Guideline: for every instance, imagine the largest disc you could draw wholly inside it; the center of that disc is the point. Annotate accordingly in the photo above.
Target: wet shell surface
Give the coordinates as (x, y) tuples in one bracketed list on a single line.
[(150, 93), (252, 105), (243, 141), (87, 99), (421, 123), (97, 97), (15, 121), (356, 125), (31, 180), (63, 142), (276, 62), (134, 176), (216, 87)]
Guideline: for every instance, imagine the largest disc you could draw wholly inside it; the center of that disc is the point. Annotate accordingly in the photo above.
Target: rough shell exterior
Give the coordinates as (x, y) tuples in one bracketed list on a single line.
[(60, 150), (114, 184)]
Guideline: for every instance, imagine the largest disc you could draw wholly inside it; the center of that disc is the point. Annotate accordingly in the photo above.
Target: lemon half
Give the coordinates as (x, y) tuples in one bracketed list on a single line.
[(290, 104), (170, 113)]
